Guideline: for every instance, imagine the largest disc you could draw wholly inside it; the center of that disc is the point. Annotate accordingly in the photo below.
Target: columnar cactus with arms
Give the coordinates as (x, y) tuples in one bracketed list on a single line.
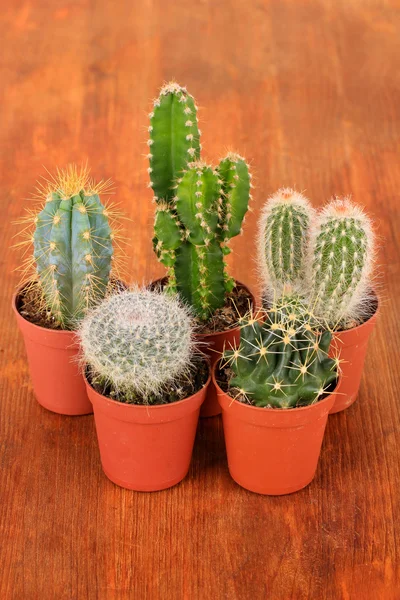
[(199, 208)]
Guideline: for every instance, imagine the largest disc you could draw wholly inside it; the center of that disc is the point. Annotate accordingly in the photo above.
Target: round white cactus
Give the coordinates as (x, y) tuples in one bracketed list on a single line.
[(139, 341)]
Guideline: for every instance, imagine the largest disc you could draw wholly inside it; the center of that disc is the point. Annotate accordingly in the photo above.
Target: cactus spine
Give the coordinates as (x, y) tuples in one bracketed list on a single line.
[(72, 246), (340, 263), (138, 341), (282, 242), (281, 362), (199, 208)]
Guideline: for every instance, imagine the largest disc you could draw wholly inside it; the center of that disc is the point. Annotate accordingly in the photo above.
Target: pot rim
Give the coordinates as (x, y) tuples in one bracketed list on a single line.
[(278, 411), (224, 331), (369, 321), (37, 328), (146, 407)]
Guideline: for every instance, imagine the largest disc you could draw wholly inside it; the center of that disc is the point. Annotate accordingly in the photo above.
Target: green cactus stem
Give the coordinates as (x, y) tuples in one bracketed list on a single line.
[(73, 247), (282, 362), (340, 264), (174, 139), (282, 242)]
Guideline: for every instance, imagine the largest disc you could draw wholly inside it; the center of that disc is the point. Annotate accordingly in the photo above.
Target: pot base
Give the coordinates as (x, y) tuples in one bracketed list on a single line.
[(266, 491), (159, 487)]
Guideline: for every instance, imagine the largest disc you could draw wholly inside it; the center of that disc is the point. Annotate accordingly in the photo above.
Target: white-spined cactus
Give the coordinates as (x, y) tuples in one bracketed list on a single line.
[(340, 264), (282, 242), (138, 341)]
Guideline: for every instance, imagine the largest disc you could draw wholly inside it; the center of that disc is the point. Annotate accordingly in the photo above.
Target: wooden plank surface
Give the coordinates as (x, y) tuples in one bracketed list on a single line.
[(309, 91)]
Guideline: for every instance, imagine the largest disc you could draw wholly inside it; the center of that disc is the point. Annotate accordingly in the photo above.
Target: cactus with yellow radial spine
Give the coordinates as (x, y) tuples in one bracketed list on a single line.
[(199, 208), (282, 242), (72, 245), (340, 264), (282, 361)]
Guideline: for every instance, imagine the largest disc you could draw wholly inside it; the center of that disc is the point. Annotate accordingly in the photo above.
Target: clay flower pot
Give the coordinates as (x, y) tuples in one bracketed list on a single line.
[(213, 345), (53, 364), (146, 448), (272, 451), (352, 345)]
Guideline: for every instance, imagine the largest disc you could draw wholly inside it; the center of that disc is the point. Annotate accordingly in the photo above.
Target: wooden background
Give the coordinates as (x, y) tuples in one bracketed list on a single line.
[(309, 91)]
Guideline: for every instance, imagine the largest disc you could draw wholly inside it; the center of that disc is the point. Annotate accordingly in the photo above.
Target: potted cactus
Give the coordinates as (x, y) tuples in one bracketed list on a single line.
[(276, 389), (69, 272), (146, 385), (199, 208), (328, 259)]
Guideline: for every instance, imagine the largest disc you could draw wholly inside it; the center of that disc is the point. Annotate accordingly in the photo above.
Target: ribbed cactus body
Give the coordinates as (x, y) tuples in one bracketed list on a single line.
[(282, 241), (340, 261), (282, 362), (174, 139), (199, 208), (73, 251), (138, 341)]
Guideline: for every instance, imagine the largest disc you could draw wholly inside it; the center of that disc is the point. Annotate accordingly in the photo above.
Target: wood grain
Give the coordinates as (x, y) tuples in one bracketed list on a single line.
[(309, 91)]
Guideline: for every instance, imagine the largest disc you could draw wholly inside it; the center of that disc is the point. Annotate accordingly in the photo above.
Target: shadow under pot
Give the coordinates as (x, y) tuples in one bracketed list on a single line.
[(272, 451), (213, 345), (146, 448), (56, 376), (352, 346)]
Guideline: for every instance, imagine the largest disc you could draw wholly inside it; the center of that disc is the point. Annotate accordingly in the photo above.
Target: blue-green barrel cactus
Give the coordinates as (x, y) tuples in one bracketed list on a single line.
[(340, 264), (281, 361), (198, 208), (73, 246)]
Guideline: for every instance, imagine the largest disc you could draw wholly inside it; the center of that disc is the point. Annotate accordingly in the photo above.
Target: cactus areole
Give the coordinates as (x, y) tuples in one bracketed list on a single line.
[(198, 208)]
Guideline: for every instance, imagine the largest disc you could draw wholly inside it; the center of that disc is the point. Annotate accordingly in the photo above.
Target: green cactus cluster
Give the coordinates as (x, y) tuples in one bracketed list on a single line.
[(282, 359), (72, 246), (199, 208), (325, 257), (138, 341)]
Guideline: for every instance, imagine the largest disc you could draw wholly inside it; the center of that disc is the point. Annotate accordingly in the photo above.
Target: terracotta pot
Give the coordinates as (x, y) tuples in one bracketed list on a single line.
[(146, 448), (213, 345), (352, 345), (53, 364), (272, 451)]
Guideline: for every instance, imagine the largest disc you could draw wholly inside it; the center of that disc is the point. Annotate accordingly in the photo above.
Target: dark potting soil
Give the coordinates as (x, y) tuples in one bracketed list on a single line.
[(237, 304), (30, 304), (224, 374), (181, 388)]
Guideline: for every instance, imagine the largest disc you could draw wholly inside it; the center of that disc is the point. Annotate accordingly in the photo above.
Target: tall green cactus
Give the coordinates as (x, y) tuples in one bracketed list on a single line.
[(199, 208), (73, 246), (282, 242), (340, 264), (282, 362)]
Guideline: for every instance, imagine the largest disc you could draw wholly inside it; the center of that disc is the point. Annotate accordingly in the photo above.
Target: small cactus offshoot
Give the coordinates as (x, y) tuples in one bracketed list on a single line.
[(340, 264), (282, 360), (282, 241), (72, 245), (138, 341), (199, 208)]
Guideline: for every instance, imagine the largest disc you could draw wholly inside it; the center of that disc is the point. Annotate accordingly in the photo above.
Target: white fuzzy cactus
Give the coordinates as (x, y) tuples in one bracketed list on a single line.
[(340, 264), (282, 242), (139, 341)]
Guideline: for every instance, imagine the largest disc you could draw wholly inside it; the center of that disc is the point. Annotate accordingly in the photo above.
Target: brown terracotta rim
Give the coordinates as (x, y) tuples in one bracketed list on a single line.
[(147, 407), (297, 410), (48, 330), (366, 323), (214, 333)]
